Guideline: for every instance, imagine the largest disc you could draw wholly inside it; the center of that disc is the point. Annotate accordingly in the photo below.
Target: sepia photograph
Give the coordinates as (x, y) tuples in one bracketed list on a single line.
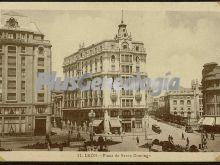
[(97, 79)]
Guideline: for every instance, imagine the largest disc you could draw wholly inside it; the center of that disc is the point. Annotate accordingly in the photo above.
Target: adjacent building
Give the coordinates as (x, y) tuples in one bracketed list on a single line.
[(185, 102), (118, 57), (211, 96), (24, 53)]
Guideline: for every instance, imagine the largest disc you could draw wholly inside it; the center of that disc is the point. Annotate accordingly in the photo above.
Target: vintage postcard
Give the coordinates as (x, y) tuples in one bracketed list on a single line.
[(110, 81)]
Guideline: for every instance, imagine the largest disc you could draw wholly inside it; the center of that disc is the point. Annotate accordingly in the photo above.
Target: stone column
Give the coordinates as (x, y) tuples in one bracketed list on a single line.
[(48, 124), (3, 126), (60, 108), (19, 124)]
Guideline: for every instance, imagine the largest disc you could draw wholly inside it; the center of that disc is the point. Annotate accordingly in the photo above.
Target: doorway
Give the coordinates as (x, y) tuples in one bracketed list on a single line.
[(40, 127), (126, 127)]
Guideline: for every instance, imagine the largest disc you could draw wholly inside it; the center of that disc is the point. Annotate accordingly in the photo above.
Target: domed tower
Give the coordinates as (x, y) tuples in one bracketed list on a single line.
[(123, 38)]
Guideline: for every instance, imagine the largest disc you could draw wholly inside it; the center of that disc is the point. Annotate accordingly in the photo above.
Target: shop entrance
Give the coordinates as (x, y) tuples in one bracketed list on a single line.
[(40, 127), (126, 127)]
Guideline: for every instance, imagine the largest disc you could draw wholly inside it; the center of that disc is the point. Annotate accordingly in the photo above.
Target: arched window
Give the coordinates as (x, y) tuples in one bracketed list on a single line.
[(113, 59), (188, 102), (182, 113), (41, 50), (125, 45)]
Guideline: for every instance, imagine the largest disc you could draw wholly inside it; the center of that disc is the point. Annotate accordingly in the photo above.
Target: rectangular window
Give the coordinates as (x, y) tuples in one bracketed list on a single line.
[(11, 96), (22, 61), (0, 60), (0, 85), (40, 71), (11, 49), (0, 97), (22, 84), (137, 69), (23, 97), (113, 67), (174, 102), (12, 61), (127, 102), (181, 102), (22, 72), (1, 48), (126, 58), (11, 84), (11, 72), (40, 62), (22, 49), (218, 98), (0, 72), (126, 68), (40, 97), (210, 98)]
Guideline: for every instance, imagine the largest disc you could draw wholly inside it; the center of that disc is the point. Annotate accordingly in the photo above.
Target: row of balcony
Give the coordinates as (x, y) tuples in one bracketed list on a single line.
[(22, 41)]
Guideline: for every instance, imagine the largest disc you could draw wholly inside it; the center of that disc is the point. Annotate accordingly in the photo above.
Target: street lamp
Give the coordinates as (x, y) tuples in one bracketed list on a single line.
[(91, 117), (145, 126)]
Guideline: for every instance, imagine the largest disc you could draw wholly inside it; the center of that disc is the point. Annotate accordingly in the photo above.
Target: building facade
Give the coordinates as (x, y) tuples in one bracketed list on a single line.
[(211, 96), (185, 102), (23, 55), (119, 57)]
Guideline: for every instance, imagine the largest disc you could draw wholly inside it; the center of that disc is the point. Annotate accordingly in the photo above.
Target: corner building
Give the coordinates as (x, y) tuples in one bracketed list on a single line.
[(211, 97), (23, 55), (119, 57)]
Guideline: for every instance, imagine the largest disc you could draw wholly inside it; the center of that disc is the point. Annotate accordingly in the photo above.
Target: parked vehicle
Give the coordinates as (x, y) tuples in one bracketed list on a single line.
[(188, 129), (156, 128)]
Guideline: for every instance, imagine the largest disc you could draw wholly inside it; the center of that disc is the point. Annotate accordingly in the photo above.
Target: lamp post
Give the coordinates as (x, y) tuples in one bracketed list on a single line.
[(91, 117), (145, 126)]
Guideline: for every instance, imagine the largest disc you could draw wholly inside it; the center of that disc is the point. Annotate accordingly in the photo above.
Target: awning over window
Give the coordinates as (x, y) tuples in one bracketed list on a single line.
[(217, 121), (115, 123), (96, 123), (201, 121), (209, 121)]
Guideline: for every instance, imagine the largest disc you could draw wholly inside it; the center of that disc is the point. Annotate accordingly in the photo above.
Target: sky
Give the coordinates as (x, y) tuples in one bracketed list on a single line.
[(180, 42)]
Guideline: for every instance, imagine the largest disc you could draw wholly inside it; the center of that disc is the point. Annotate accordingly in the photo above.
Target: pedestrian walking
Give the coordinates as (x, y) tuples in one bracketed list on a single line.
[(183, 136), (137, 138), (205, 143), (48, 146), (61, 147), (169, 138), (187, 141), (207, 135)]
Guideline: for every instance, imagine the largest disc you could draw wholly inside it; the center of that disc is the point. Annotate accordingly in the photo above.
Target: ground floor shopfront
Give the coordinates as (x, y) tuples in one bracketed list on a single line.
[(24, 119), (210, 123), (120, 120)]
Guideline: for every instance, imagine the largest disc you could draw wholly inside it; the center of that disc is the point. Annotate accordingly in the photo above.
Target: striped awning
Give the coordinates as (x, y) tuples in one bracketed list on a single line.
[(201, 121), (96, 123), (217, 122), (209, 121), (115, 123)]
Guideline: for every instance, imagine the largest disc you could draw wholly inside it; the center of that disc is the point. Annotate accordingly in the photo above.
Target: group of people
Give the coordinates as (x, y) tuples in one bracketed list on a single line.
[(205, 137), (94, 144)]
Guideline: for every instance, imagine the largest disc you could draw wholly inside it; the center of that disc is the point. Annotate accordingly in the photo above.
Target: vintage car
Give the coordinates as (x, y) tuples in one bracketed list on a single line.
[(188, 129), (156, 128)]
